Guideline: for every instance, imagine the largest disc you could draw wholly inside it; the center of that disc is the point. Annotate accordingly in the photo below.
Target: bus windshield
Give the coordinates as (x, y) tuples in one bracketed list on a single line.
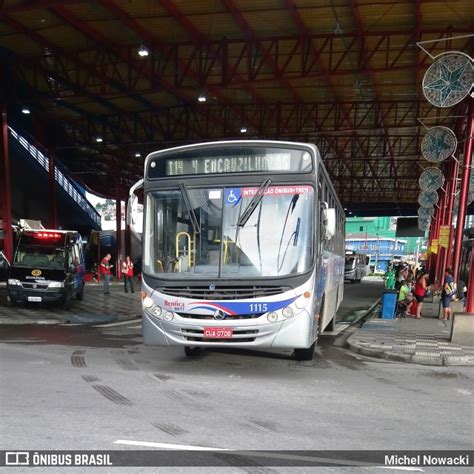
[(275, 240), (350, 263)]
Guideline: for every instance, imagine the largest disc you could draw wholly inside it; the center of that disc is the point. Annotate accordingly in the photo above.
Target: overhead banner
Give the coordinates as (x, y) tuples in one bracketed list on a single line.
[(444, 233)]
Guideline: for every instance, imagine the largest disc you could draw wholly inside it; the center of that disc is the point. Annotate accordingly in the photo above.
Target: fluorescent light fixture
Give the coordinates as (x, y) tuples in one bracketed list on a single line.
[(99, 140), (202, 98), (26, 110), (137, 154), (243, 130), (143, 52)]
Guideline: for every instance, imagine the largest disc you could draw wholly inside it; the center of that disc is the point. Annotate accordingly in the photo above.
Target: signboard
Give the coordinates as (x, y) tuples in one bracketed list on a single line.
[(234, 159), (434, 246), (444, 233)]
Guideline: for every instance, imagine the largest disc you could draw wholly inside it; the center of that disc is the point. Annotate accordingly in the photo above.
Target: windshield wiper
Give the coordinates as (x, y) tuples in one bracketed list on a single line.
[(187, 203), (254, 203)]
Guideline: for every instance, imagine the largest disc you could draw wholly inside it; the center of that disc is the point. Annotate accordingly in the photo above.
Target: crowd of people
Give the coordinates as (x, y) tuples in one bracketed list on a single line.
[(413, 287)]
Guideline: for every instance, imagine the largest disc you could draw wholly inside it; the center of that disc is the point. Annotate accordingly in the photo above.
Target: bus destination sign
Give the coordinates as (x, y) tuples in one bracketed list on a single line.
[(249, 163)]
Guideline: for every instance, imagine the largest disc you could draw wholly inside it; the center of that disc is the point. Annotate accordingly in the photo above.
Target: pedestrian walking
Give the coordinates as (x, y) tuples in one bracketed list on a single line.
[(127, 270), (449, 291), (105, 270)]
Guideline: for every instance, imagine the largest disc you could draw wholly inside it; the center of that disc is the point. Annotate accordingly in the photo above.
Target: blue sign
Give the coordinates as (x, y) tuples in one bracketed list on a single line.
[(232, 196)]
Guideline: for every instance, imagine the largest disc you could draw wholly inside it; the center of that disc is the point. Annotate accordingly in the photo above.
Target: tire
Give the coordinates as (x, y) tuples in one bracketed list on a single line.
[(12, 303), (67, 301), (192, 351), (80, 294), (305, 354)]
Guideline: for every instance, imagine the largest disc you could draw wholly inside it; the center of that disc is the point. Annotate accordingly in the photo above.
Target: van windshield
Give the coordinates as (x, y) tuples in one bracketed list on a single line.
[(40, 254)]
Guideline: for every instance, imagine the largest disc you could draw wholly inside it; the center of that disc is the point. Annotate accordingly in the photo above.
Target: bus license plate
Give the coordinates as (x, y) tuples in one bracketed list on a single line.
[(218, 333), (34, 299)]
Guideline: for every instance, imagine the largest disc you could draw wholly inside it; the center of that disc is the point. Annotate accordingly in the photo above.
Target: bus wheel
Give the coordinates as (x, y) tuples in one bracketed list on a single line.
[(80, 294), (305, 354), (192, 351)]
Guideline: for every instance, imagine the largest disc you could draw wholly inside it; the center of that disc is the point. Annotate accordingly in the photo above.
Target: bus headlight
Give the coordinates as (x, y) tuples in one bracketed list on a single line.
[(156, 311), (147, 302), (272, 317), (287, 312), (168, 316)]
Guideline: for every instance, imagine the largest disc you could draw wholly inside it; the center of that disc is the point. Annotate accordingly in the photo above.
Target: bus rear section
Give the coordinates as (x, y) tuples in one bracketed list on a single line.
[(48, 267)]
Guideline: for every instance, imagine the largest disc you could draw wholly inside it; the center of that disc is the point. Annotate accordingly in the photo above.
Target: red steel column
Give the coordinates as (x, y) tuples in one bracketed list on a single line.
[(128, 234), (442, 213), (5, 189), (118, 229), (449, 220), (463, 195), (52, 193), (431, 237), (470, 288)]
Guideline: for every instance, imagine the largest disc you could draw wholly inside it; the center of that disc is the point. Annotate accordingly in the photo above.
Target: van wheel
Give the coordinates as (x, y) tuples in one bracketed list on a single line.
[(305, 354), (192, 351), (67, 301), (80, 294), (12, 303)]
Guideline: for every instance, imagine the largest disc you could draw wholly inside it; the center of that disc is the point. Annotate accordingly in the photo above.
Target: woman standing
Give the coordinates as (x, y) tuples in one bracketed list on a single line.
[(420, 291), (127, 269), (449, 291)]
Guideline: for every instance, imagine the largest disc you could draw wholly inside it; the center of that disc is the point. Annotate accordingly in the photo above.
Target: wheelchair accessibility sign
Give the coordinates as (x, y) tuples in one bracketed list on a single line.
[(232, 196)]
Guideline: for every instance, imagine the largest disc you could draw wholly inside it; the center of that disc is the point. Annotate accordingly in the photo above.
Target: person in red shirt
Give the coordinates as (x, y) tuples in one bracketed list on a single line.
[(105, 271), (127, 270)]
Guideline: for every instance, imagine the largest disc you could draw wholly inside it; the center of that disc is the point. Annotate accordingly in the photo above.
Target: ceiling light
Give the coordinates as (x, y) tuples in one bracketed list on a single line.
[(202, 98), (143, 52), (137, 154), (243, 130), (99, 140), (25, 110)]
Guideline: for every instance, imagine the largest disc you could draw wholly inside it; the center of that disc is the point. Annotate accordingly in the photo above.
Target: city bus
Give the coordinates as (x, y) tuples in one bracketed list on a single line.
[(356, 266), (243, 246)]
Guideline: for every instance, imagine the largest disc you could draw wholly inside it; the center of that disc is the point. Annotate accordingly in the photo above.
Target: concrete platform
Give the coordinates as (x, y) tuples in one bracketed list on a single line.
[(419, 341), (96, 308)]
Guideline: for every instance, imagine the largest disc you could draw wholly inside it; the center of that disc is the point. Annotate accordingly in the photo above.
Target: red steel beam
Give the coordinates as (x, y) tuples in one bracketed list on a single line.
[(151, 41), (466, 175), (251, 36), (360, 34), (5, 189)]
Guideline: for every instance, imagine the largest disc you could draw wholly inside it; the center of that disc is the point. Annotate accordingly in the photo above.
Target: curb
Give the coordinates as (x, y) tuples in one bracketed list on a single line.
[(467, 360)]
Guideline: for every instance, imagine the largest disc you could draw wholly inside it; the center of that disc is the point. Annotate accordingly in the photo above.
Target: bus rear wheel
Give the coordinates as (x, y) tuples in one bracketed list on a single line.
[(192, 351), (305, 354)]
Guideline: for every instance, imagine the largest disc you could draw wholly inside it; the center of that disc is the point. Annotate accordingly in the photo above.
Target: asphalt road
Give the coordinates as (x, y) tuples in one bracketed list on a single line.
[(88, 388)]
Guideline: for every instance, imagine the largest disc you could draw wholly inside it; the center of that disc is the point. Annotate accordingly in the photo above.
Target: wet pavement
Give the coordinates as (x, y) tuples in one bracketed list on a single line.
[(95, 308), (82, 387)]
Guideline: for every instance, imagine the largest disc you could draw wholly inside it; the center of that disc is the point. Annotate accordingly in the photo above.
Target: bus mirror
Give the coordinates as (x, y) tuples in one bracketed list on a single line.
[(329, 222), (4, 263), (132, 210)]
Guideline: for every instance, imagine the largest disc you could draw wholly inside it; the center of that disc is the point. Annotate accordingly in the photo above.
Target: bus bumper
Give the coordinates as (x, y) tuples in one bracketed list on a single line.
[(23, 296), (296, 332)]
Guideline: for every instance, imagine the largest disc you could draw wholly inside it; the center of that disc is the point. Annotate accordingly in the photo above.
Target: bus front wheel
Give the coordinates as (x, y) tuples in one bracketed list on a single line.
[(305, 354), (192, 351)]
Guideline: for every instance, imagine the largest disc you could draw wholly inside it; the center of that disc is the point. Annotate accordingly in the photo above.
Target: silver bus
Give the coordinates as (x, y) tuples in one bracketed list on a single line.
[(243, 246)]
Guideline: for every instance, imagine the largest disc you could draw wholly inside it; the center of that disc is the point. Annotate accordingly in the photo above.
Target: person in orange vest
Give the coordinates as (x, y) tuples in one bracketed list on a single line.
[(127, 270), (105, 271)]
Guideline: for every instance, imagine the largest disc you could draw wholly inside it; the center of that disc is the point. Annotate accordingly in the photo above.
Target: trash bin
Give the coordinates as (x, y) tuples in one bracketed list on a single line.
[(389, 304)]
